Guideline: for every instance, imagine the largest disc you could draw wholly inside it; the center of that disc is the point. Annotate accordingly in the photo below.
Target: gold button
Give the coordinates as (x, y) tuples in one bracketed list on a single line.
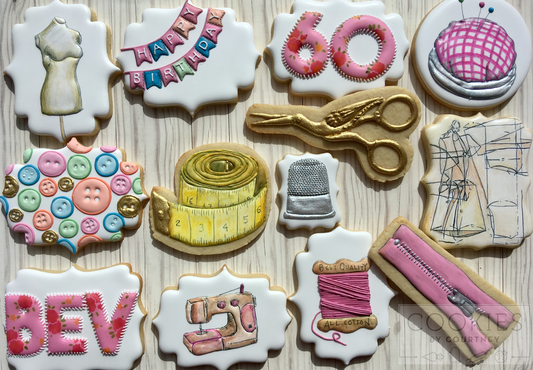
[(16, 215), (66, 184), (129, 206), (11, 187), (49, 237)]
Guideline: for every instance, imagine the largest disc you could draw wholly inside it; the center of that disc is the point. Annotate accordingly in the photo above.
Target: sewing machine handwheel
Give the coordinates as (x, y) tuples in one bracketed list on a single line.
[(401, 98), (402, 157)]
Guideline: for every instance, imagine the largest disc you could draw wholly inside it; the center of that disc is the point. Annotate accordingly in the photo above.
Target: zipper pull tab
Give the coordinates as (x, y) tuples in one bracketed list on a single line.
[(463, 302)]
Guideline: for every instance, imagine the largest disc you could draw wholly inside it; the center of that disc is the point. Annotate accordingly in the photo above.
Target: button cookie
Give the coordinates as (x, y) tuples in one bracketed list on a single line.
[(85, 189)]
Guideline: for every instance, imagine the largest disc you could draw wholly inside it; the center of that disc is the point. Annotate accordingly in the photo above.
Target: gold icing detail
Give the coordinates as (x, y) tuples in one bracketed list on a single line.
[(11, 187), (49, 237), (348, 324), (16, 215), (129, 206), (161, 210), (65, 184), (342, 266)]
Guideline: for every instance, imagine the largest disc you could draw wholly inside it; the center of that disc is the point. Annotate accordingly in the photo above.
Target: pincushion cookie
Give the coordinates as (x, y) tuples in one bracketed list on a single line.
[(76, 319), (337, 47), (188, 57), (223, 200), (73, 196), (343, 299), (251, 314), (472, 55), (477, 182), (62, 71)]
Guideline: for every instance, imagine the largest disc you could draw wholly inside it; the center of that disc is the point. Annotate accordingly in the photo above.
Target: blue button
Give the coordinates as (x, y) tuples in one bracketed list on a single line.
[(106, 165), (113, 222), (62, 207), (66, 243), (29, 174), (5, 204)]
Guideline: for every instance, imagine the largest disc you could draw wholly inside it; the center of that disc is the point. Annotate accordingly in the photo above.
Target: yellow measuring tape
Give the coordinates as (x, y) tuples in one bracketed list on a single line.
[(222, 198)]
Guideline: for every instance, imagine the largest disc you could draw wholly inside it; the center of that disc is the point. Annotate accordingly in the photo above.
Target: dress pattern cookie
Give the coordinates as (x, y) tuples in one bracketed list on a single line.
[(75, 319), (73, 196), (196, 47), (339, 293), (477, 182), (337, 47), (61, 70), (255, 318)]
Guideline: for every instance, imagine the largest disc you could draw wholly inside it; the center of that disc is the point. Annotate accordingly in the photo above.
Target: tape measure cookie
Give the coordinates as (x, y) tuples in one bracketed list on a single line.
[(222, 203)]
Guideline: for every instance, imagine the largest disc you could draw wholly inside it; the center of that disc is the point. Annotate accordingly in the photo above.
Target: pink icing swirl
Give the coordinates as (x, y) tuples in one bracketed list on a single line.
[(363, 24), (304, 35)]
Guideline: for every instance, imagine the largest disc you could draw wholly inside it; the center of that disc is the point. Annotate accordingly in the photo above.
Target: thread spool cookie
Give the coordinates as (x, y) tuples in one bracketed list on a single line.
[(76, 319), (188, 57), (62, 70), (339, 293), (472, 55), (337, 47), (253, 312)]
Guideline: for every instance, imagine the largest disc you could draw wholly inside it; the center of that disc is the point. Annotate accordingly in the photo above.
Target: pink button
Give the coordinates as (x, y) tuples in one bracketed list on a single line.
[(29, 235), (91, 196), (87, 239), (121, 184), (90, 225), (128, 168), (43, 220), (52, 163), (75, 146), (9, 169), (48, 187), (108, 149)]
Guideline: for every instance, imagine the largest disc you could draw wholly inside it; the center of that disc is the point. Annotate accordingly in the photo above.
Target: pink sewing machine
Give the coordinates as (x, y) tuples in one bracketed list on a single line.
[(240, 331)]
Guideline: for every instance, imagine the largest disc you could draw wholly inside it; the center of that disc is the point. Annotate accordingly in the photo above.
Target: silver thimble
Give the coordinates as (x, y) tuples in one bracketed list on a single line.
[(308, 196)]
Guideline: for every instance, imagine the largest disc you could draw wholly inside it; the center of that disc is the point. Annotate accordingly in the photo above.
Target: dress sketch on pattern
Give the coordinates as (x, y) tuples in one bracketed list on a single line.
[(483, 181)]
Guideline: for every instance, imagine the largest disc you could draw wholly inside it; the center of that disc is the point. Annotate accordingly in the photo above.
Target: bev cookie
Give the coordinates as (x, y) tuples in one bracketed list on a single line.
[(477, 182), (308, 191), (376, 124), (73, 196), (188, 57), (62, 71), (343, 299), (476, 316), (76, 319), (337, 47), (472, 55), (222, 203), (252, 315)]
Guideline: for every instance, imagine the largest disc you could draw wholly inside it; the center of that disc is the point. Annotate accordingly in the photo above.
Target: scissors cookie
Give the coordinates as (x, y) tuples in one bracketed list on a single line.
[(376, 124)]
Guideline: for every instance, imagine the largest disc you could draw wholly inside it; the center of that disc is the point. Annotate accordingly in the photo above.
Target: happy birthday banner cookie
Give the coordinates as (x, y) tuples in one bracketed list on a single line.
[(76, 319), (337, 47), (188, 57), (477, 182), (62, 71), (376, 124), (73, 196), (472, 55), (251, 315), (222, 203)]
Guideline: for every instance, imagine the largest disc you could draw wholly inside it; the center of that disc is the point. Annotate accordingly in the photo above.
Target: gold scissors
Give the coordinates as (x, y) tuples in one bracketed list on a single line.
[(340, 125)]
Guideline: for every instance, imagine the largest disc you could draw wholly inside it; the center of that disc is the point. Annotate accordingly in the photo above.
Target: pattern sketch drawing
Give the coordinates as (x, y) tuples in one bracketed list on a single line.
[(477, 182)]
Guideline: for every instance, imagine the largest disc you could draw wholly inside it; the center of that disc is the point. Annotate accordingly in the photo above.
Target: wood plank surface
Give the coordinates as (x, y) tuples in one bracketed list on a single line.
[(156, 138)]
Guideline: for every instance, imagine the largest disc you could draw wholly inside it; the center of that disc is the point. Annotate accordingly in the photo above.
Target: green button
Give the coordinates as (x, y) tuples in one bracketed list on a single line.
[(29, 200), (137, 188), (79, 166), (116, 237), (68, 228), (27, 155)]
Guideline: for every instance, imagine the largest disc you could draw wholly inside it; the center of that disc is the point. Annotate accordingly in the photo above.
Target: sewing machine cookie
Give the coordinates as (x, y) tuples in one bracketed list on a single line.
[(308, 191), (76, 319), (477, 182), (188, 57), (340, 292), (73, 196), (337, 47), (475, 316), (222, 203), (252, 316), (62, 71), (376, 124), (472, 55)]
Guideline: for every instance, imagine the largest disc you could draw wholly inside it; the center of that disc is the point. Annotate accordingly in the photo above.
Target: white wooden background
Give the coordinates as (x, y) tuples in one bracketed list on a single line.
[(156, 138)]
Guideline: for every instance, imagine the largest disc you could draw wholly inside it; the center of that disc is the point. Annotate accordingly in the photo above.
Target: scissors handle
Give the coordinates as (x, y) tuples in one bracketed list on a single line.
[(380, 118), (402, 156)]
